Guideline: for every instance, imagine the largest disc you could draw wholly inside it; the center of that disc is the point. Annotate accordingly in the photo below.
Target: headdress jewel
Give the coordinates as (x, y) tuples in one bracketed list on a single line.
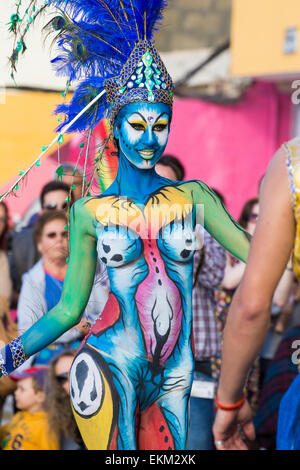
[(144, 77)]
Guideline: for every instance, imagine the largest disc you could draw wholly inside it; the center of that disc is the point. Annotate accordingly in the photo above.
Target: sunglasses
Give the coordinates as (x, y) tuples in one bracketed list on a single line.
[(253, 217), (53, 207), (53, 235), (62, 378)]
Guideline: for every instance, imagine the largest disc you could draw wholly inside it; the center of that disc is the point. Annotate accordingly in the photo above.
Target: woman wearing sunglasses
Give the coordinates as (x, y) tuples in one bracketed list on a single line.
[(42, 286)]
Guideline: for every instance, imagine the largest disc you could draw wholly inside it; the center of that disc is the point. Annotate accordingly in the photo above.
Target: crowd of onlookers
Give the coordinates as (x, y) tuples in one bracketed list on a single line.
[(33, 265)]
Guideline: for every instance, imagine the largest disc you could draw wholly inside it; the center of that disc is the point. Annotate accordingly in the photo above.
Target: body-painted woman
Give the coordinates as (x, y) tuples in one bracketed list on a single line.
[(130, 381)]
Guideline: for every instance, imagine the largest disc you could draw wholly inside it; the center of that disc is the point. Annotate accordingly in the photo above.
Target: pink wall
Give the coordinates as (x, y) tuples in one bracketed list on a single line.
[(229, 146)]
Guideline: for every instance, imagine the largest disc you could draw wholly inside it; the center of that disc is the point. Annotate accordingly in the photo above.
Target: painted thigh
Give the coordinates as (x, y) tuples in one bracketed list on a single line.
[(103, 401), (163, 425)]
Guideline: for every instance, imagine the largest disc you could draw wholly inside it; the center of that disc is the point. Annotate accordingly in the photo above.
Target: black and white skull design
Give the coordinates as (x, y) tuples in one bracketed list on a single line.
[(86, 385)]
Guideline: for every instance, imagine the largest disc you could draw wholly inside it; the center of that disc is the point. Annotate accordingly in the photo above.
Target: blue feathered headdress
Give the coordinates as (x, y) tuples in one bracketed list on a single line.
[(106, 45)]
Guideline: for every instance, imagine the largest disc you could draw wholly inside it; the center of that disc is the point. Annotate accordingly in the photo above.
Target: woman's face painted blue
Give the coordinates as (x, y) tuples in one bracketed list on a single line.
[(142, 130)]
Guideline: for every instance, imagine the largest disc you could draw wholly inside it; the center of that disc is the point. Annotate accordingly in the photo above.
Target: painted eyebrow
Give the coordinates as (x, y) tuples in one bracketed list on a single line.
[(139, 114), (160, 116), (145, 121)]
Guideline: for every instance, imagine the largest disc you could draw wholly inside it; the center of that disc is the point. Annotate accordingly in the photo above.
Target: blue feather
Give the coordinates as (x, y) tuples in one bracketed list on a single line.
[(95, 42), (82, 96)]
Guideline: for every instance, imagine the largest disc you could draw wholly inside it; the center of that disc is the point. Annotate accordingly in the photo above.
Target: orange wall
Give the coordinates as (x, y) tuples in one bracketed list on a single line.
[(257, 37), (26, 124)]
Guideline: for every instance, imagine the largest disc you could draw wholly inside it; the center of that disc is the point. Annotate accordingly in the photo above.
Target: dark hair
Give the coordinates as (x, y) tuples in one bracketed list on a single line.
[(43, 219), (58, 406), (6, 227), (220, 195), (175, 164), (246, 211), (55, 186)]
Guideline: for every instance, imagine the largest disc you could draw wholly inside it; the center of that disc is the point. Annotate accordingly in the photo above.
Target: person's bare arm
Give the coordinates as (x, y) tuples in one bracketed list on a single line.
[(233, 274), (285, 286), (249, 314), (76, 291)]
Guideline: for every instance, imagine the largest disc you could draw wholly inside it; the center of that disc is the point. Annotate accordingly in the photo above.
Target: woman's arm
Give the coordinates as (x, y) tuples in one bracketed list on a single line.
[(233, 274), (217, 220), (249, 313), (76, 291), (285, 286)]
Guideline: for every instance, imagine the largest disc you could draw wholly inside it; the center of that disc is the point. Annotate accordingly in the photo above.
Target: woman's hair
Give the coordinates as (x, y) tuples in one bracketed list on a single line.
[(43, 220), (246, 211), (175, 164), (6, 227), (57, 405)]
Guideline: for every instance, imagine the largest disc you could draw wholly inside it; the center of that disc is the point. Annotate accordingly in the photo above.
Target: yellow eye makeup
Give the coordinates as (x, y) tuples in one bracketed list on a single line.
[(160, 125), (163, 122), (138, 125)]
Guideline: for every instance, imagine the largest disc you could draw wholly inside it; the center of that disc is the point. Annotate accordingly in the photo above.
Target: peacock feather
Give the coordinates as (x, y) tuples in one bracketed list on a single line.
[(93, 42), (93, 39)]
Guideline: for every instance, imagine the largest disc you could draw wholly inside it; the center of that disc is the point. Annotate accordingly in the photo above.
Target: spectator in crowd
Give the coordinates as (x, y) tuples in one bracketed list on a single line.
[(5, 279), (234, 268), (55, 196), (275, 238), (42, 285), (233, 274), (209, 266), (24, 253), (170, 167), (281, 372), (58, 404), (29, 428), (8, 328)]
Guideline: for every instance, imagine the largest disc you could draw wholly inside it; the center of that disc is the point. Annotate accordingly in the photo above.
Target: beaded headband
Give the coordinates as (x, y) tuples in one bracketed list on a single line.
[(143, 78)]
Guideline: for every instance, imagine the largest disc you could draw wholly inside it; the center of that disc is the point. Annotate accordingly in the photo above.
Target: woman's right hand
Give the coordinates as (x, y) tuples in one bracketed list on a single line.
[(83, 326), (233, 428)]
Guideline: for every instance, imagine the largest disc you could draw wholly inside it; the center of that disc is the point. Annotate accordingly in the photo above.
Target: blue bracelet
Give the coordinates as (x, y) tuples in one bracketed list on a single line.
[(12, 356)]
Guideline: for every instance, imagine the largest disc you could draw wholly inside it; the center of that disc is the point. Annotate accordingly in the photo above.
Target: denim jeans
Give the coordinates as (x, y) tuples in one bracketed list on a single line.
[(201, 417)]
